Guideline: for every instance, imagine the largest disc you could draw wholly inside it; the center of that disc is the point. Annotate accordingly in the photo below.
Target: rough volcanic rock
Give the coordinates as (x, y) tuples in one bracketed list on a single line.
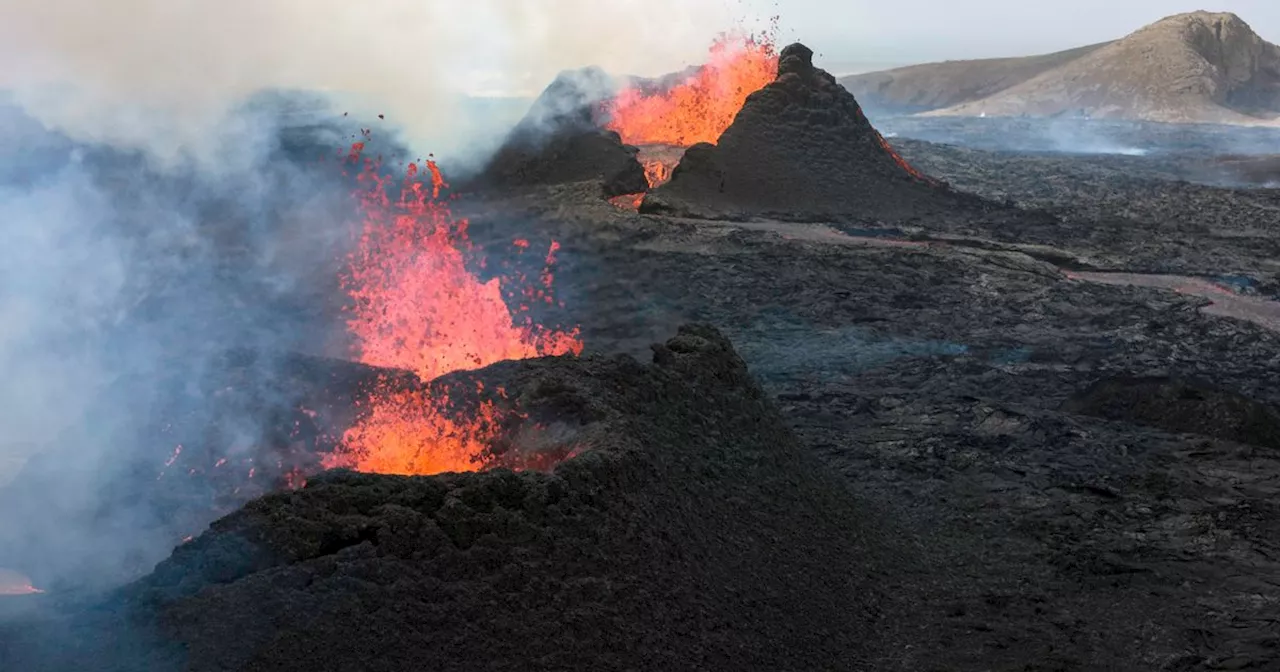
[(1181, 406), (1262, 170), (800, 148), (558, 141), (692, 532)]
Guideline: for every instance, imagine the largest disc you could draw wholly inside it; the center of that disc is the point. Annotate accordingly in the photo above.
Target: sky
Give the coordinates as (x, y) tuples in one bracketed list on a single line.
[(863, 32)]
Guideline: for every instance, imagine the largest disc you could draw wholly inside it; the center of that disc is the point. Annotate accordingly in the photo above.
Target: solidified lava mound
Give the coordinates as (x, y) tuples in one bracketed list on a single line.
[(559, 141), (691, 532), (800, 148), (1181, 406)]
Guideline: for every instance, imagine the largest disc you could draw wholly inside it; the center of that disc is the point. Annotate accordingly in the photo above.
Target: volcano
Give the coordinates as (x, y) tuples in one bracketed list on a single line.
[(800, 148), (751, 133), (560, 141), (225, 427), (663, 117), (629, 132), (692, 531)]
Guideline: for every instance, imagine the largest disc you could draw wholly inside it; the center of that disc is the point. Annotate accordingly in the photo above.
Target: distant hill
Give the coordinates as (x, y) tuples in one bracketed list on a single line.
[(1194, 67), (932, 86)]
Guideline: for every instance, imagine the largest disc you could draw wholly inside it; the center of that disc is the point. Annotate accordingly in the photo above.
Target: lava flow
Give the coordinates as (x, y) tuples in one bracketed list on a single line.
[(663, 123), (417, 307)]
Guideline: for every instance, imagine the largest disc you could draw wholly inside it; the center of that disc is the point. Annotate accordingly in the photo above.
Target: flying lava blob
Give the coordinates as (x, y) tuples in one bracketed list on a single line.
[(416, 306)]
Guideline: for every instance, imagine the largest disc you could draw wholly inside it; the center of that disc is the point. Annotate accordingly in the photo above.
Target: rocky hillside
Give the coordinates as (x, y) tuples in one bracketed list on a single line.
[(932, 86), (1194, 67)]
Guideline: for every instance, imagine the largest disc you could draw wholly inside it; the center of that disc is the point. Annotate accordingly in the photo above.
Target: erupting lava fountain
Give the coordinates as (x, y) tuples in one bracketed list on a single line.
[(417, 307), (664, 122)]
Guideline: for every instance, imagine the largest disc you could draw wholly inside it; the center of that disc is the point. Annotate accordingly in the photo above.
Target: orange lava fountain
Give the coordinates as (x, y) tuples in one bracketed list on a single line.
[(417, 307), (696, 110), (701, 107)]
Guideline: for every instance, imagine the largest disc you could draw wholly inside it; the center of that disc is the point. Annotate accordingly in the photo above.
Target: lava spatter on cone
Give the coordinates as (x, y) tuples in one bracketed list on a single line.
[(800, 148)]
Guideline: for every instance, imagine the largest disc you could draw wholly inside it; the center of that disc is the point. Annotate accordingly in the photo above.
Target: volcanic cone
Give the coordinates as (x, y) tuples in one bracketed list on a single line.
[(558, 141), (691, 531), (800, 148)]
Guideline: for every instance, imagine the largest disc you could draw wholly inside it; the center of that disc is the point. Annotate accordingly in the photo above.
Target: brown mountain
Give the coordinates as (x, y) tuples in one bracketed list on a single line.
[(1194, 67)]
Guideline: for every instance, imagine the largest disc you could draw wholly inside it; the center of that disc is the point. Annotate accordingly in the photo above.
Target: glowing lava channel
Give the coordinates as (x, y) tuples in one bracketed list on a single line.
[(417, 307)]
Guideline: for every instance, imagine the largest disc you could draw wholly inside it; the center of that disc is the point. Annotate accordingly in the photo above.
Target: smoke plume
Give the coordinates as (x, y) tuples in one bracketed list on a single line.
[(169, 190), (161, 74)]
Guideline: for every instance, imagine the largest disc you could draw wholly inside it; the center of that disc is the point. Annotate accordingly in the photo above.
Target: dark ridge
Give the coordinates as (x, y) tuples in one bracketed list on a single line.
[(1181, 406), (559, 141), (691, 532), (800, 148)]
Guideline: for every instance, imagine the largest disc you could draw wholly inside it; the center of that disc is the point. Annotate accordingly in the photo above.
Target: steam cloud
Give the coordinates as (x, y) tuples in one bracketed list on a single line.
[(161, 200)]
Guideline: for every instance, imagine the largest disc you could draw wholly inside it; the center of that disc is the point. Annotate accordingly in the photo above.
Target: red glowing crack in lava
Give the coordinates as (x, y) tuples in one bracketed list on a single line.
[(418, 307)]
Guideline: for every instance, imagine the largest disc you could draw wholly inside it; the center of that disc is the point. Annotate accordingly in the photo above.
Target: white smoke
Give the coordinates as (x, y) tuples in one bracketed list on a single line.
[(162, 74)]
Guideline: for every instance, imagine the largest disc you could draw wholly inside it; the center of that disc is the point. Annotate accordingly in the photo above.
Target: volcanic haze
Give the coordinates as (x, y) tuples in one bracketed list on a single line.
[(1198, 67)]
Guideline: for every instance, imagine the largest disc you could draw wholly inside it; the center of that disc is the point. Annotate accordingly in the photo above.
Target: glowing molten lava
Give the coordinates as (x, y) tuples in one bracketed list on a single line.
[(902, 163), (664, 122), (701, 107), (657, 171), (417, 307)]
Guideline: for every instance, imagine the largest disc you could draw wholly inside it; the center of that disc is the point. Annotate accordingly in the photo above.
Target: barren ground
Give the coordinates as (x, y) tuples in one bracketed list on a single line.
[(933, 370)]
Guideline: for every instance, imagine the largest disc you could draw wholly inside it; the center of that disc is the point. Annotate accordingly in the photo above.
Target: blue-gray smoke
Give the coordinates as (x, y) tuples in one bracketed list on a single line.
[(122, 286)]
